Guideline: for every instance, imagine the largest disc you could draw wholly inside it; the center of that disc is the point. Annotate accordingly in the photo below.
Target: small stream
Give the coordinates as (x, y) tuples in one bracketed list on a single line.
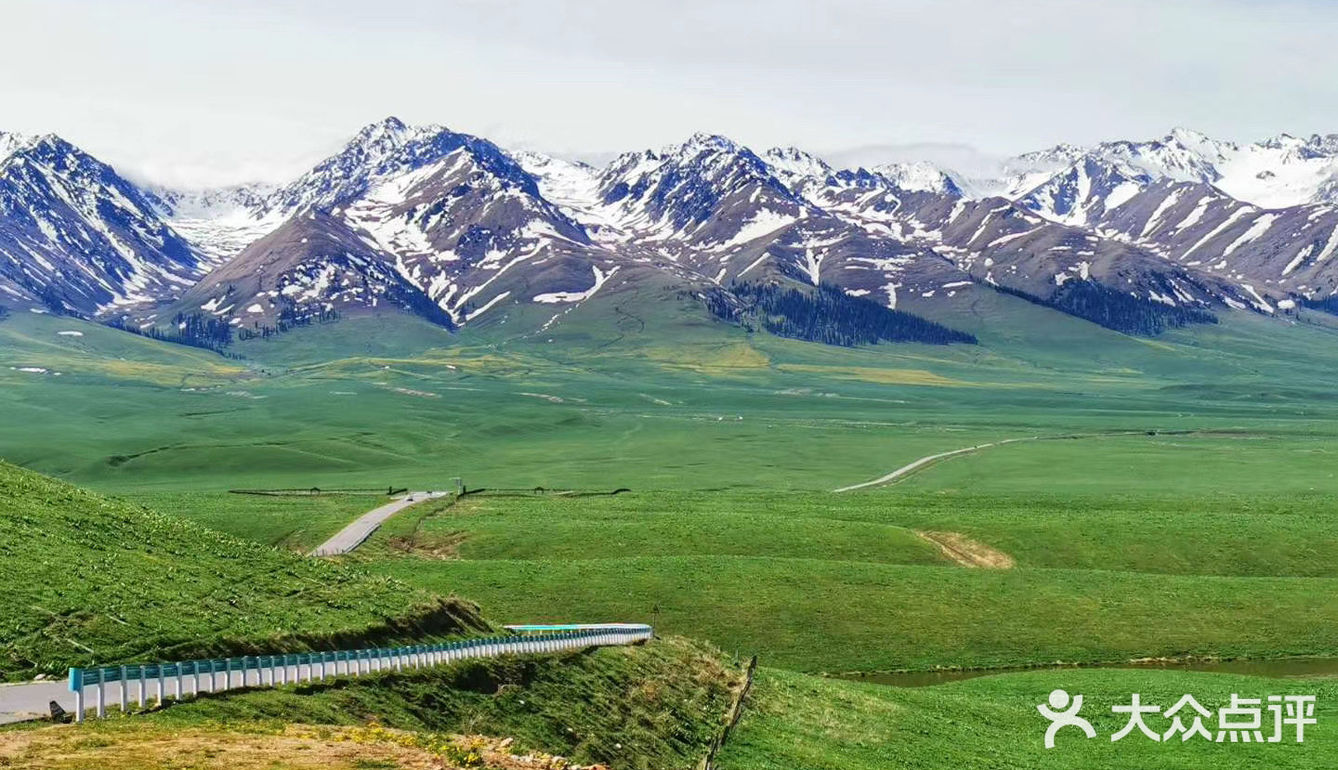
[(1289, 668)]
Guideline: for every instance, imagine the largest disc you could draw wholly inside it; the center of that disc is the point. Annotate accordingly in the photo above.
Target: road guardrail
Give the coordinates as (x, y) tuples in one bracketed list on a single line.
[(192, 677)]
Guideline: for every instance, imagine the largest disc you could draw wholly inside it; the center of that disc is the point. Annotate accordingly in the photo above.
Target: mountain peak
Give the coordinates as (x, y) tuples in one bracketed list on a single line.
[(704, 141), (1064, 153), (10, 142), (918, 176), (388, 135), (1187, 136), (796, 161), (389, 126)]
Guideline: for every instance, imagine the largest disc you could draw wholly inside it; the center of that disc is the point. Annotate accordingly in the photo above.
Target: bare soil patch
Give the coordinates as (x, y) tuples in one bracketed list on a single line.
[(436, 546), (294, 747), (967, 552)]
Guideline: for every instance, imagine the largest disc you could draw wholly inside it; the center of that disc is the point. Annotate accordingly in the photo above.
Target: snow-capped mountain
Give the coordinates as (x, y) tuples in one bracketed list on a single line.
[(1280, 172), (77, 237), (453, 228), (1086, 191), (794, 163), (732, 215), (430, 221), (1280, 253), (1002, 244)]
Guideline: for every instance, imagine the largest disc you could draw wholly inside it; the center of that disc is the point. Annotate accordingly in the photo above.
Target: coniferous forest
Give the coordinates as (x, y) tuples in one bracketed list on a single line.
[(1115, 309), (827, 315)]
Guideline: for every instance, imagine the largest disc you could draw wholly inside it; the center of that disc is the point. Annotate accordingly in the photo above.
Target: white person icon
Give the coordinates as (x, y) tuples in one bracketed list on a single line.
[(1061, 714)]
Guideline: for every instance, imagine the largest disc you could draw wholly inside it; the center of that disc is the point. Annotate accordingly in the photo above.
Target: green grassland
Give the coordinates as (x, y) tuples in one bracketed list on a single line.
[(1113, 561), (674, 403), (1175, 497), (1223, 528), (89, 580), (794, 720)]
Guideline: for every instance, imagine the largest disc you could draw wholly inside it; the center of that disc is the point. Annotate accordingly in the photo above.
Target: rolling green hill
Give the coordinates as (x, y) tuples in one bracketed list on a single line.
[(92, 580)]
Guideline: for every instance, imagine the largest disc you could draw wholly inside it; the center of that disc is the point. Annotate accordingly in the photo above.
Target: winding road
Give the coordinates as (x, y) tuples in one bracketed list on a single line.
[(910, 468), (355, 534)]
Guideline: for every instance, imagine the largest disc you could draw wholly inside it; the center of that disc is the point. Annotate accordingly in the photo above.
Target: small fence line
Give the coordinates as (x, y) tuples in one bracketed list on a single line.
[(537, 492), (190, 677), (732, 718), (317, 492)]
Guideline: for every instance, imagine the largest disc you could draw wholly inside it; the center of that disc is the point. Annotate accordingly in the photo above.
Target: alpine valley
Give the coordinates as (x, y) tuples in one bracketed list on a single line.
[(1137, 237), (1067, 425)]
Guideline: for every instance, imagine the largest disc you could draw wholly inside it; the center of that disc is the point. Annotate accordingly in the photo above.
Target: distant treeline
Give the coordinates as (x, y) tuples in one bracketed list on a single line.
[(288, 318), (1327, 304), (1114, 309), (422, 305), (194, 329), (51, 298), (827, 315)]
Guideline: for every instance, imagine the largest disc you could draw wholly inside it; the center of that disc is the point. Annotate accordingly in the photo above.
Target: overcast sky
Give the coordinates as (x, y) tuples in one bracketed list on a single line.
[(186, 91)]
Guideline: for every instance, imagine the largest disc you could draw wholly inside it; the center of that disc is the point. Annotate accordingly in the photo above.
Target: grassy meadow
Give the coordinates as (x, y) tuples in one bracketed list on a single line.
[(834, 583), (391, 402), (991, 723), (1172, 498)]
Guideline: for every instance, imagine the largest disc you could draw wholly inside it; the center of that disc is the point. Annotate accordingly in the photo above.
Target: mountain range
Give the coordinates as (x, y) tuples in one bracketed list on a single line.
[(1134, 236)]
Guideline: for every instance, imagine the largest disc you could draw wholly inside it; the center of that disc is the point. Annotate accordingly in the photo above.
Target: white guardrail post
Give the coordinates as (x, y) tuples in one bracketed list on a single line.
[(273, 670)]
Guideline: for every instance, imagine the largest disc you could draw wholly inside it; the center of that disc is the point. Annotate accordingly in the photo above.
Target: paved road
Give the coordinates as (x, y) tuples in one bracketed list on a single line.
[(923, 461), (30, 700), (20, 702), (356, 534)]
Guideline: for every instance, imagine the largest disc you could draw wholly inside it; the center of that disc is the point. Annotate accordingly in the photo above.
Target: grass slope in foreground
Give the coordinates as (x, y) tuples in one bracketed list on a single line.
[(658, 705), (91, 580), (991, 723)]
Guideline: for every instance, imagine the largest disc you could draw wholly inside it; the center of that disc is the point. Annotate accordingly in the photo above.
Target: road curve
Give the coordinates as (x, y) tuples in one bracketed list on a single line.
[(355, 534), (910, 468)]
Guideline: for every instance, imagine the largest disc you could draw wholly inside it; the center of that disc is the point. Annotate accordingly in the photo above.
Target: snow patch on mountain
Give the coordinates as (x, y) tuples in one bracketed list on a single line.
[(601, 278), (763, 223)]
